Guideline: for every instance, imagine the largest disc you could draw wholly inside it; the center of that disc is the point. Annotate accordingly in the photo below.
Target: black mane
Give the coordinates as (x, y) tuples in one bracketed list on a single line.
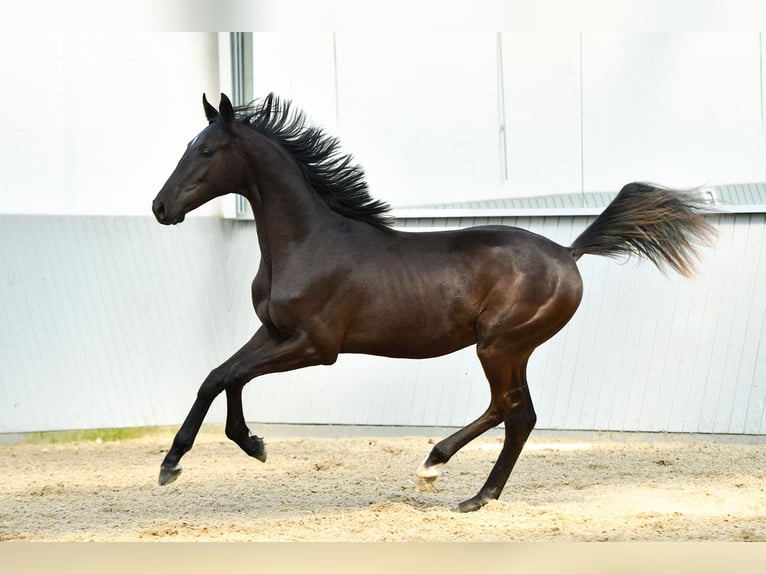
[(332, 174)]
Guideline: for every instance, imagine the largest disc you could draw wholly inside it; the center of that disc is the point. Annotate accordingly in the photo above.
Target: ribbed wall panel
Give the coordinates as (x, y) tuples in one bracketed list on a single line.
[(111, 321), (116, 321), (645, 352)]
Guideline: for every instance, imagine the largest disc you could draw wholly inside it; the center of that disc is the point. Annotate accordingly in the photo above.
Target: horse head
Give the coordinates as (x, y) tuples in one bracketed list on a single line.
[(210, 167)]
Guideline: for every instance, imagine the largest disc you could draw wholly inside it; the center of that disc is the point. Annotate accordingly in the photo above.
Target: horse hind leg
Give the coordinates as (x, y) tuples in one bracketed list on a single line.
[(430, 468), (444, 450), (510, 403), (518, 427), (504, 354)]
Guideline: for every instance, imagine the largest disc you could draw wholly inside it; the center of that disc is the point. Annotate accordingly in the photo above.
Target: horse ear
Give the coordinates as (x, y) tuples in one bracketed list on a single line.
[(227, 110), (210, 112)]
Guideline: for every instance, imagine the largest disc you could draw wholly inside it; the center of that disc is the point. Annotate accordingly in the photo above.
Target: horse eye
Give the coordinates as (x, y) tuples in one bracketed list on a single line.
[(206, 152)]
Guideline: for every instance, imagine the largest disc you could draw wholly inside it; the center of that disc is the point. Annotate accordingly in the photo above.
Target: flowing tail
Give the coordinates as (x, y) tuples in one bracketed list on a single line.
[(664, 225)]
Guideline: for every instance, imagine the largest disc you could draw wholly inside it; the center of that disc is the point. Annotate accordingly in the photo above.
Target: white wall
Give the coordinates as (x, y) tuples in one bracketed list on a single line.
[(644, 352), (95, 122), (582, 112), (116, 321), (682, 109)]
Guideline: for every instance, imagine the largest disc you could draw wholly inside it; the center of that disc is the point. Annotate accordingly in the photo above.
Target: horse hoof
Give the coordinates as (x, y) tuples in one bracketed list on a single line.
[(256, 448), (470, 505), (168, 475)]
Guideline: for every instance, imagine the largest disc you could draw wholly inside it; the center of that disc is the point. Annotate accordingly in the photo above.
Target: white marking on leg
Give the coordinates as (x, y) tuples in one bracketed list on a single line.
[(429, 471), (427, 476)]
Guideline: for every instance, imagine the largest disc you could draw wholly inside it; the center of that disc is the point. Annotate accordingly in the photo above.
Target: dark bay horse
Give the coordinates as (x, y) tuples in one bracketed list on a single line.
[(335, 277)]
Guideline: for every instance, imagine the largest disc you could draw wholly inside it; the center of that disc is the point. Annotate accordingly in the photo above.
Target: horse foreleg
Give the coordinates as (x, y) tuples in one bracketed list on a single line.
[(260, 355), (184, 439)]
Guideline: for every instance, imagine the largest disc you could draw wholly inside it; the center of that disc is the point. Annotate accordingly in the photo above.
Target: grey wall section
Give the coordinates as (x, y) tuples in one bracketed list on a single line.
[(115, 321)]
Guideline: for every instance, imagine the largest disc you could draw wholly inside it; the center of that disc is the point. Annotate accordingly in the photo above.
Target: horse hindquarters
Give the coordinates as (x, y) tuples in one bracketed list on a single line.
[(512, 324)]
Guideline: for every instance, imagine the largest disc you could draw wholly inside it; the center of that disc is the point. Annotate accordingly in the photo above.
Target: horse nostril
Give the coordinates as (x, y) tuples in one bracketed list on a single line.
[(159, 210)]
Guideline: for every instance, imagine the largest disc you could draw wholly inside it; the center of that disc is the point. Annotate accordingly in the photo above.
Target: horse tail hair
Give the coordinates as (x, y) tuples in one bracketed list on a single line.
[(666, 226)]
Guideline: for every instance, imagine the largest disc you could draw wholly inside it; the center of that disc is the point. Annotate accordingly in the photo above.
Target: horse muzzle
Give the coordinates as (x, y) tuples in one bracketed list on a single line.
[(163, 216)]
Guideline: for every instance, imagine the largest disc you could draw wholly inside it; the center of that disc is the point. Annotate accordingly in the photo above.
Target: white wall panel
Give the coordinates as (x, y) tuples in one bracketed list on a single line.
[(457, 117), (112, 321), (660, 353), (299, 66), (115, 321), (421, 113), (680, 108), (96, 120), (542, 105)]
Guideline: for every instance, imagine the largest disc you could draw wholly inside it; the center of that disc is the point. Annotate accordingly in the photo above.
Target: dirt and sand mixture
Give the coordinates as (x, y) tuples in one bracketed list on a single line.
[(363, 489)]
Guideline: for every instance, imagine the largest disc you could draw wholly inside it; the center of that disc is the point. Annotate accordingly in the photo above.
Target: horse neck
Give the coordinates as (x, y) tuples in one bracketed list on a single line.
[(286, 209)]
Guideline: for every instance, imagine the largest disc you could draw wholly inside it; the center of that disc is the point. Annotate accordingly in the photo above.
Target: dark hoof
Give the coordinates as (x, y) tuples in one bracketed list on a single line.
[(255, 448), (471, 505), (168, 475)]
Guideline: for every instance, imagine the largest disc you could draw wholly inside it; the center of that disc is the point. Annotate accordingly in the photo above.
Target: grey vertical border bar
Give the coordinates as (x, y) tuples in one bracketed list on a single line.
[(501, 109), (335, 81), (242, 67), (760, 71), (582, 131), (242, 91)]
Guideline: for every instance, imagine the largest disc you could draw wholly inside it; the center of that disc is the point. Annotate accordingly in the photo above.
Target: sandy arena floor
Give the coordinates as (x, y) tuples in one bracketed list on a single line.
[(363, 489)]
